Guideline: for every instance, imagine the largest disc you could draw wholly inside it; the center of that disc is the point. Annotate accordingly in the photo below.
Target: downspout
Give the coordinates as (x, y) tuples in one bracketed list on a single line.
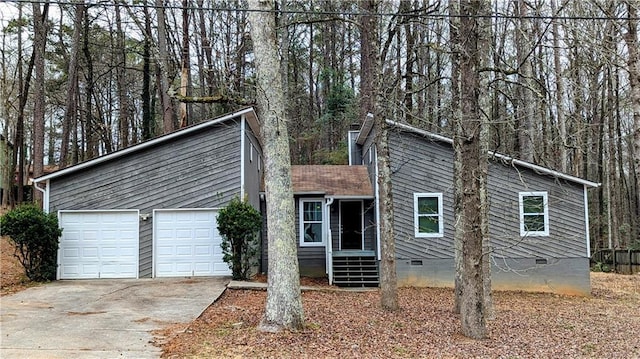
[(329, 246), (586, 220), (242, 155), (45, 194), (379, 253)]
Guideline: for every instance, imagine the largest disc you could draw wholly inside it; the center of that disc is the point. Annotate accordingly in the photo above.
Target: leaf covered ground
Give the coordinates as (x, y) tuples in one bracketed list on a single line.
[(12, 277), (349, 324)]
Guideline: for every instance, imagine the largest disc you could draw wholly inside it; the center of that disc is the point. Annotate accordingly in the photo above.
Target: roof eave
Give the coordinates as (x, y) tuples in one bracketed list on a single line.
[(367, 125), (531, 166), (150, 143)]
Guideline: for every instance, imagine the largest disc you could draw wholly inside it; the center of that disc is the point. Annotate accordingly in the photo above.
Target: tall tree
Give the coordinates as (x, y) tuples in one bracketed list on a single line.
[(121, 83), (163, 70), (185, 72), (559, 98), (370, 90), (525, 111), (71, 105), (283, 308), (469, 157), (148, 123), (633, 63), (39, 45)]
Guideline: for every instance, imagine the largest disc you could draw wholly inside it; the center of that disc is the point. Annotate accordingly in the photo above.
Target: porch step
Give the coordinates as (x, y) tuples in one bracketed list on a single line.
[(355, 271)]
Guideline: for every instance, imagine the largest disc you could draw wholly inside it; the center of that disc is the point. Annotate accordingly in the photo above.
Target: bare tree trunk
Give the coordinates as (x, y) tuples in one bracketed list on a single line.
[(71, 105), (405, 6), (370, 73), (163, 64), (186, 63), (148, 122), (39, 43), (121, 66), (7, 168), (454, 11), (283, 308), (19, 159), (91, 127), (633, 62), (469, 151), (525, 80), (209, 84), (559, 80)]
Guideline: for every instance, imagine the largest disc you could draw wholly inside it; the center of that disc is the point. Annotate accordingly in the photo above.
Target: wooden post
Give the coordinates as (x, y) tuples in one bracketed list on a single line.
[(613, 260)]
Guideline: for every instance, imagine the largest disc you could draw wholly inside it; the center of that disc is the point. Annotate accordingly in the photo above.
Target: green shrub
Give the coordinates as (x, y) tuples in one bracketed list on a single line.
[(239, 224), (35, 236)]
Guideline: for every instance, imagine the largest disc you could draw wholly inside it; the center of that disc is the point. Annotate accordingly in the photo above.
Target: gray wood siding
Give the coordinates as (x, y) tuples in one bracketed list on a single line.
[(421, 165), (253, 167), (567, 231), (311, 260), (201, 170), (355, 151)]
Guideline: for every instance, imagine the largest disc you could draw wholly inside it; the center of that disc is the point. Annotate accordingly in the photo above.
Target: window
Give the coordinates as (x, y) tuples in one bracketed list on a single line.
[(534, 214), (311, 222), (427, 212)]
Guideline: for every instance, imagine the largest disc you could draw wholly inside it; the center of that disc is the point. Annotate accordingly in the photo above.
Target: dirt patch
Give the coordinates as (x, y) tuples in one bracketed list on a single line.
[(12, 277), (351, 324), (304, 281)]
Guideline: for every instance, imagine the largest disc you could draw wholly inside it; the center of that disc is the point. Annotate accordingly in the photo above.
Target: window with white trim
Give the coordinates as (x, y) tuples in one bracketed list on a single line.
[(427, 215), (534, 214), (311, 213)]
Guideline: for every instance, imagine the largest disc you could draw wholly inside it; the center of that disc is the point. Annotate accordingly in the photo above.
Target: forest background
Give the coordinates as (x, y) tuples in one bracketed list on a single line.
[(562, 89)]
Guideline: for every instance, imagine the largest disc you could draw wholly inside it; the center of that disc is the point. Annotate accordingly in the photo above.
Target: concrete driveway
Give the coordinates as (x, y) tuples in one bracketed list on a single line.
[(99, 318)]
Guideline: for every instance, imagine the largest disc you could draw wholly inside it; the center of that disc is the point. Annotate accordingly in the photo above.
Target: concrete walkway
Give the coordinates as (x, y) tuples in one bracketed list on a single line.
[(99, 318), (237, 284)]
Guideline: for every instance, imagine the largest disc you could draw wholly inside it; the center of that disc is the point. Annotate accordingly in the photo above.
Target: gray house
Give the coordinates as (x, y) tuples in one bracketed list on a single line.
[(538, 218), (539, 226), (150, 210)]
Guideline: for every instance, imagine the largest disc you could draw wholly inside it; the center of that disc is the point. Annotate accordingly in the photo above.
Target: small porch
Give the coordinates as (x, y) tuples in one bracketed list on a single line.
[(336, 224)]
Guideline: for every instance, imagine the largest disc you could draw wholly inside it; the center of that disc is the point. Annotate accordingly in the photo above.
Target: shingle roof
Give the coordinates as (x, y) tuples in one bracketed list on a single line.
[(332, 180)]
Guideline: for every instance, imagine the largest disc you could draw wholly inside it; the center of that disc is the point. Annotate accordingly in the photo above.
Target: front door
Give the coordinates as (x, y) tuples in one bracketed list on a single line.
[(351, 225)]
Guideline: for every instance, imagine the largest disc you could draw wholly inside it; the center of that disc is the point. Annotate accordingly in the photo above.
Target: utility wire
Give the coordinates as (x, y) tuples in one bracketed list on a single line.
[(412, 14)]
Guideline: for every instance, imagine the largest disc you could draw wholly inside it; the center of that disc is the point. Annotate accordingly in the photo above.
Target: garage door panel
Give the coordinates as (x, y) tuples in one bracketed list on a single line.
[(99, 244), (89, 253), (192, 248), (182, 251), (206, 251)]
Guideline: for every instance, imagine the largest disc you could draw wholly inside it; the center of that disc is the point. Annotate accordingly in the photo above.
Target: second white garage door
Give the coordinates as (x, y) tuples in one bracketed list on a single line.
[(187, 243)]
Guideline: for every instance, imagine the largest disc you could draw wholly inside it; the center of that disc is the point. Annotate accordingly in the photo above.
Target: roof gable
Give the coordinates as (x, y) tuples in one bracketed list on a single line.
[(248, 112), (332, 180)]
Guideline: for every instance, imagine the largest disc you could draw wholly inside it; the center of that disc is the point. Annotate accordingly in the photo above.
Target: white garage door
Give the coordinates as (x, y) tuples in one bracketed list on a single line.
[(98, 244), (187, 243)]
